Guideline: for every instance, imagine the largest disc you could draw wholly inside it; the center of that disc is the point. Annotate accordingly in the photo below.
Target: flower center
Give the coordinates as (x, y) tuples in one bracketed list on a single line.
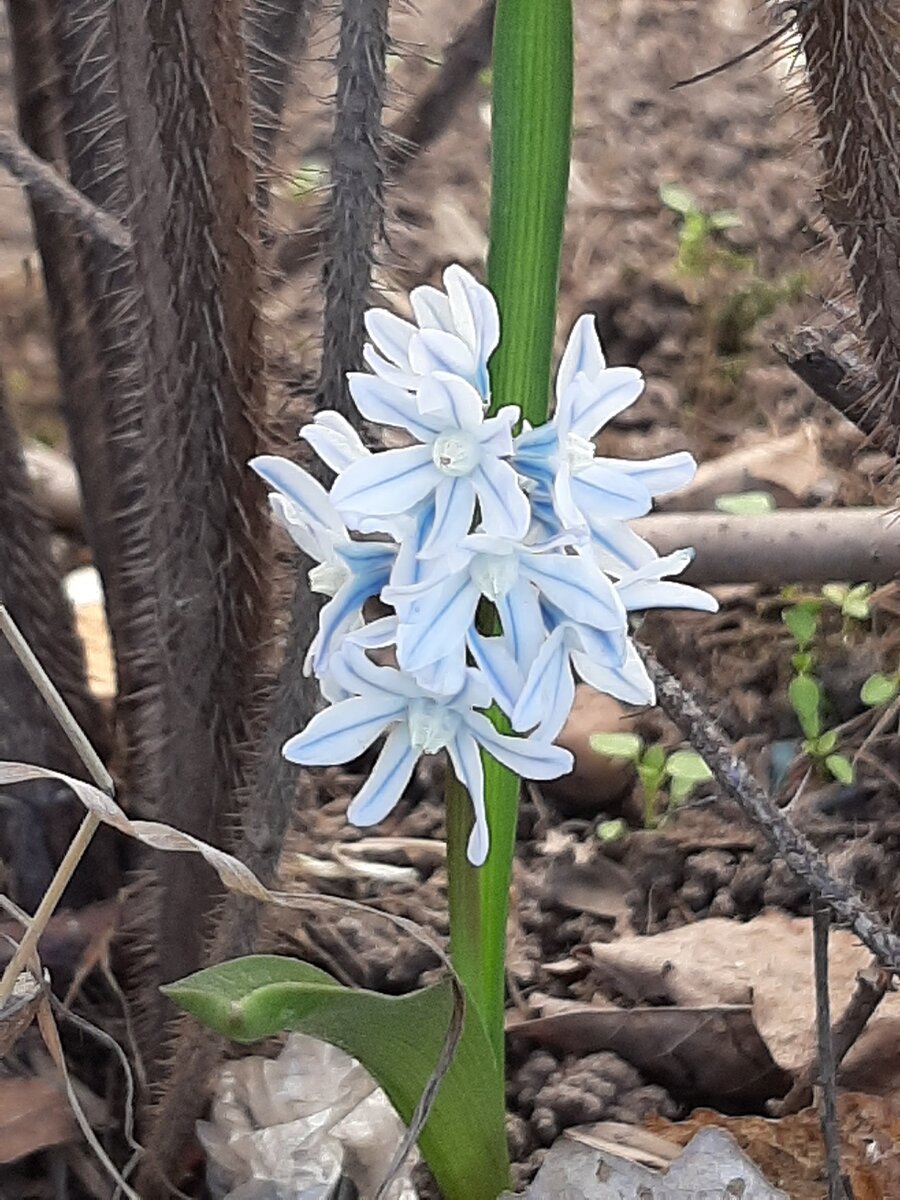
[(431, 726), (494, 574), (328, 577), (456, 453), (579, 452)]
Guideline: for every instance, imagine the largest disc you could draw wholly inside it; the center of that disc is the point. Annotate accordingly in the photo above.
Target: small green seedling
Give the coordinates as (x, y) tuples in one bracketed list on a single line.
[(683, 769), (806, 697), (697, 248), (746, 504), (880, 689), (852, 602)]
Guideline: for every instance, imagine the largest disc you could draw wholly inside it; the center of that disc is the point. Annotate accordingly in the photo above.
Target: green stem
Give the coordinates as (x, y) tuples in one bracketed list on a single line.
[(531, 140)]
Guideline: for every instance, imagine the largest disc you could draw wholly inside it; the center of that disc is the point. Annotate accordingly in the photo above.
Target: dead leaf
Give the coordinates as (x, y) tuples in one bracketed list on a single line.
[(597, 887), (789, 467), (790, 1153), (720, 961), (711, 1052), (626, 1141), (34, 1114)]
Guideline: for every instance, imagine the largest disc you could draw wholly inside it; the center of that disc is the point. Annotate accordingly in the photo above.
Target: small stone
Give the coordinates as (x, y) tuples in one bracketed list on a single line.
[(723, 904)]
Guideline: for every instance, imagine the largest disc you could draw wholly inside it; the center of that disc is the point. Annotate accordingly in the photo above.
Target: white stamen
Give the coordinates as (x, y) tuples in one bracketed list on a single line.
[(456, 453), (494, 574), (431, 726), (579, 452), (328, 577)]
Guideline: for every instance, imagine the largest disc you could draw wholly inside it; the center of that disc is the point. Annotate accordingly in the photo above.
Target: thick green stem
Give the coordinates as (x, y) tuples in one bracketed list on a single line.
[(531, 140)]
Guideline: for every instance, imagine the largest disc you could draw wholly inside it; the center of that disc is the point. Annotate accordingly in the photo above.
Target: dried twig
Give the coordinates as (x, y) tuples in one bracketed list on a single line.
[(838, 1186), (49, 187), (733, 776)]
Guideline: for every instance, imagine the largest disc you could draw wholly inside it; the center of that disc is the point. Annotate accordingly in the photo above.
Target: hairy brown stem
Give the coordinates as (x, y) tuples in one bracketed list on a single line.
[(275, 32), (852, 54), (31, 588), (426, 119)]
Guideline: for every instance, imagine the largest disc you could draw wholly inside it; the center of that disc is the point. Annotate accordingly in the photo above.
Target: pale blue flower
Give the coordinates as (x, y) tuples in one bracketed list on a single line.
[(460, 459), (436, 616), (350, 572), (604, 663), (586, 490), (384, 700), (454, 332)]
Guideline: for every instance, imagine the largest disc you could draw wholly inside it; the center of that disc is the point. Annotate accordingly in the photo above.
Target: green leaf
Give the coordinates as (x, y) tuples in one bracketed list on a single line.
[(398, 1039), (680, 790), (746, 504), (611, 831), (654, 758), (688, 765), (803, 621), (879, 689), (725, 218), (827, 742), (805, 695), (840, 767), (835, 593), (618, 745), (678, 199), (856, 602), (802, 662)]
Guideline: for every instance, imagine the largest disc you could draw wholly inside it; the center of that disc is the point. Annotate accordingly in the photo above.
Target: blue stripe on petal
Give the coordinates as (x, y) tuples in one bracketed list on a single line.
[(595, 402), (522, 623), (582, 356), (659, 476), (609, 493), (500, 670), (306, 493), (527, 713), (386, 484), (386, 404), (435, 622), (629, 682), (341, 733), (387, 782), (505, 511), (577, 587), (454, 507)]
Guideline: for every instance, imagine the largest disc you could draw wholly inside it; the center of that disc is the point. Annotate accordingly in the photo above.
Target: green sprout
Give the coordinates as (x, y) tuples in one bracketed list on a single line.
[(682, 771), (698, 251), (880, 689), (852, 602), (746, 504)]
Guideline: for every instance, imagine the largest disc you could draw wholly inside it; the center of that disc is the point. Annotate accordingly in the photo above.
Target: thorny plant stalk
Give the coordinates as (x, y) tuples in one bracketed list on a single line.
[(89, 825), (837, 1184)]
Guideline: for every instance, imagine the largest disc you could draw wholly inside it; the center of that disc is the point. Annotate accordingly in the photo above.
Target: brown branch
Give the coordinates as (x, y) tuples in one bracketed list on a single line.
[(429, 116), (790, 546), (735, 779), (48, 187), (842, 378), (872, 985), (831, 1136)]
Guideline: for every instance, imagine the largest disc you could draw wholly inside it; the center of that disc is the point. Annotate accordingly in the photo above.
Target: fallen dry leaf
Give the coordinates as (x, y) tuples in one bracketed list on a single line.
[(712, 1052), (19, 1010), (762, 962), (34, 1114), (789, 1150)]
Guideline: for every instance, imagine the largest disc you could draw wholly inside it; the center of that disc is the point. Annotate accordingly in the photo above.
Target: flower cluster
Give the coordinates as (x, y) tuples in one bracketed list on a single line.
[(471, 518)]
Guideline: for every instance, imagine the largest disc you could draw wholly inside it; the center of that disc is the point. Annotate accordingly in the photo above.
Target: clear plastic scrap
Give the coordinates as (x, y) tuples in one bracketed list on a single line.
[(294, 1127)]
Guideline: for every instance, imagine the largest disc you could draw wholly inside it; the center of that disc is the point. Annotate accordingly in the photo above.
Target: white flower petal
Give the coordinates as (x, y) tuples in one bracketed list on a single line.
[(629, 682), (656, 593), (495, 434), (445, 677), (386, 404), (334, 440), (451, 402), (454, 507), (352, 670), (435, 623), (578, 588), (528, 757), (387, 782), (474, 311), (398, 376), (504, 506), (659, 476), (431, 308), (433, 350), (503, 676), (376, 635), (523, 625), (305, 493), (582, 356), (617, 548), (386, 484), (466, 760), (551, 660), (341, 733), (391, 334), (593, 403)]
